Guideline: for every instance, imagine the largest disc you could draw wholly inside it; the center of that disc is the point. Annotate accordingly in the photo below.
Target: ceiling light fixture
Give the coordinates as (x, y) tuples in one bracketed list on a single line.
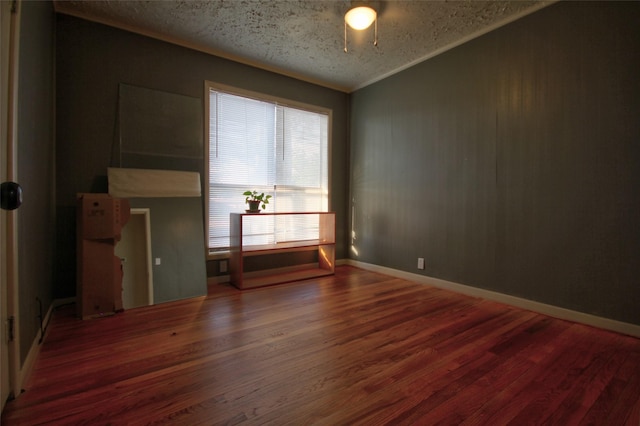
[(361, 18)]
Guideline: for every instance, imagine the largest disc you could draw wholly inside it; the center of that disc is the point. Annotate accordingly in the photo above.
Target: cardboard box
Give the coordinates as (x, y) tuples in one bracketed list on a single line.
[(100, 219)]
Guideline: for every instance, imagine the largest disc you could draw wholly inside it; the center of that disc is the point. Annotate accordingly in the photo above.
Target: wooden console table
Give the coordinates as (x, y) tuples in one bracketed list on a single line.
[(283, 236)]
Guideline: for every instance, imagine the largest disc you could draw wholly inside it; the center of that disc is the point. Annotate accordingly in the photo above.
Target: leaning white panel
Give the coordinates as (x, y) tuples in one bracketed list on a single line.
[(132, 183)]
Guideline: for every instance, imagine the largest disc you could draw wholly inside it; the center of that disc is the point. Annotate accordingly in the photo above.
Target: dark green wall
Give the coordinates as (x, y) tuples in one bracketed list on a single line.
[(93, 59), (35, 168), (512, 162)]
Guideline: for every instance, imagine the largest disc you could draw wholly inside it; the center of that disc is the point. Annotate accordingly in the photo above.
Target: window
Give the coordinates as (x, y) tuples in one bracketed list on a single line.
[(268, 145)]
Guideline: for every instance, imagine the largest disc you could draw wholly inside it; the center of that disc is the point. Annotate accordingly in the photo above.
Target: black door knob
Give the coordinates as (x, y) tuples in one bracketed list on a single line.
[(10, 195)]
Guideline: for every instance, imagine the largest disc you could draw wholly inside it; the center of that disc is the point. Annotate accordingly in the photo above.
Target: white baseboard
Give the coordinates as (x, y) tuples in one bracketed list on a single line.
[(542, 308), (34, 350), (221, 279), (61, 302)]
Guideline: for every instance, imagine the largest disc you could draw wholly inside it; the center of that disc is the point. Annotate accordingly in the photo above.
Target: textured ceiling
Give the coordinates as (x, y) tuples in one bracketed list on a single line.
[(305, 38)]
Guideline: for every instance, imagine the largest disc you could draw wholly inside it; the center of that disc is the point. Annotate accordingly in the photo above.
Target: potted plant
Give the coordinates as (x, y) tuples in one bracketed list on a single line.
[(255, 200)]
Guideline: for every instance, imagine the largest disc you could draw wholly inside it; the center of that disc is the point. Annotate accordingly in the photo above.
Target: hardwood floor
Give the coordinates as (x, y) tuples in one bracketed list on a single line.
[(355, 348)]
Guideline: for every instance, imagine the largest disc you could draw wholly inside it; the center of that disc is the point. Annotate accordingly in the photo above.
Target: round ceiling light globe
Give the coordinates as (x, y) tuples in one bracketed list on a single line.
[(360, 18)]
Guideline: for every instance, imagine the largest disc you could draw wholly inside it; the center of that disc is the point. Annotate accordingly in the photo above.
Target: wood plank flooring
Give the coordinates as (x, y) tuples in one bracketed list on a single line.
[(357, 348)]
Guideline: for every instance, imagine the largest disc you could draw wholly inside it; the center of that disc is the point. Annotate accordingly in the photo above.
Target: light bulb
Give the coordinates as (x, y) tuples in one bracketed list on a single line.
[(360, 18)]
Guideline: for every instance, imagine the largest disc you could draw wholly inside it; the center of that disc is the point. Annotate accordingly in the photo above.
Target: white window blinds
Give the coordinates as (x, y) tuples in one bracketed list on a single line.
[(268, 147)]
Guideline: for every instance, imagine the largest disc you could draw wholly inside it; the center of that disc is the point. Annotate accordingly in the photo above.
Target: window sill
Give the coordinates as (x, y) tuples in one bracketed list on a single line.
[(218, 255)]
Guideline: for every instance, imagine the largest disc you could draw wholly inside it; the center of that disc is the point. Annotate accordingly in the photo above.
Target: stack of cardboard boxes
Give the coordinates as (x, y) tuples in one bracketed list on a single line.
[(100, 220)]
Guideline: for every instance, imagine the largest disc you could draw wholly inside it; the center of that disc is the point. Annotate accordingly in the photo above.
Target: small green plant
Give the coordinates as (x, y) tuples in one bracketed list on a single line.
[(255, 200)]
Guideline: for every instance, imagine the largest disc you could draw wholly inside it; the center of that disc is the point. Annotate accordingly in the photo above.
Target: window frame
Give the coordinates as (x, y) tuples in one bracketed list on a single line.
[(211, 85)]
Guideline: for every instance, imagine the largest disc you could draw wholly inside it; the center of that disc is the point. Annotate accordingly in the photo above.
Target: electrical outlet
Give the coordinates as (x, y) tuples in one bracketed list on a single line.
[(223, 266), (421, 263), (158, 261)]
